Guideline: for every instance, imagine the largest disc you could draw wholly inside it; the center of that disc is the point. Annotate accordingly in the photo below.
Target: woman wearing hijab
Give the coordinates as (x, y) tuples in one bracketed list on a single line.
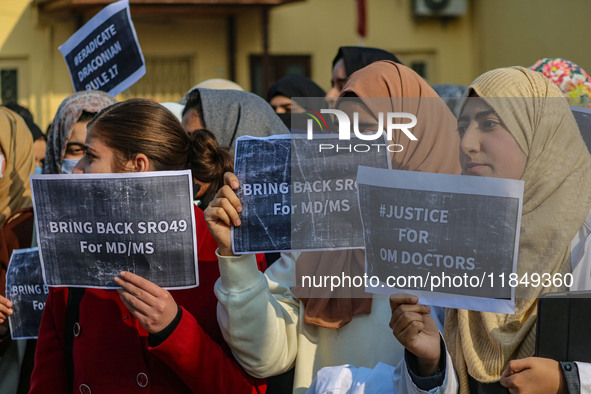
[(574, 82), (528, 133), (281, 93), (39, 139), (270, 329), (141, 337), (16, 231), (292, 113), (351, 59), (229, 114), (65, 142)]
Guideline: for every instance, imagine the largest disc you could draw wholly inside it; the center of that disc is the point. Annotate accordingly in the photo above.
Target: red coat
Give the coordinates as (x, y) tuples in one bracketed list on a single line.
[(112, 354)]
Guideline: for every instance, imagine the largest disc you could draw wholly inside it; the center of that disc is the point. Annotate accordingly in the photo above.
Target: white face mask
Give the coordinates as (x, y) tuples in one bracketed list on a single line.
[(2, 166), (38, 170), (68, 165)]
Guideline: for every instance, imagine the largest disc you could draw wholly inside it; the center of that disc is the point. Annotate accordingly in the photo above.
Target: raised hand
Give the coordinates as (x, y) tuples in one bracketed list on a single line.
[(151, 305), (5, 311), (222, 214), (534, 375), (416, 330)]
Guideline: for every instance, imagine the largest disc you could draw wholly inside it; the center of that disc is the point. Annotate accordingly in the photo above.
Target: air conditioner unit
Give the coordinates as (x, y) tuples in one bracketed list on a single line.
[(439, 8)]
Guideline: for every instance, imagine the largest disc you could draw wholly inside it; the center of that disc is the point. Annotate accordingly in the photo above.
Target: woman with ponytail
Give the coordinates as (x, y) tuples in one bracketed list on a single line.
[(208, 162), (142, 336)]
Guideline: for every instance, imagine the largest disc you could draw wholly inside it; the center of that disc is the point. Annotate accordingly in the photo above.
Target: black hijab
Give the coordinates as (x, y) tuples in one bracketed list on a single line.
[(298, 86), (295, 86), (356, 58)]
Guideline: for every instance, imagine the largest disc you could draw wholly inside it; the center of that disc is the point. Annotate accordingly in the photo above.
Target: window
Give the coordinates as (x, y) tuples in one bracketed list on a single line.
[(13, 85), (167, 79), (279, 67), (9, 85), (423, 63)]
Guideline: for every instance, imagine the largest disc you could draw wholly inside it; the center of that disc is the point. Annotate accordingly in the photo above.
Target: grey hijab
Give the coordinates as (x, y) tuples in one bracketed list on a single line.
[(230, 114)]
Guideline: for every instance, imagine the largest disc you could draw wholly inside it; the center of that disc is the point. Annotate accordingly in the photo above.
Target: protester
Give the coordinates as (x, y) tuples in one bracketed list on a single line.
[(65, 140), (141, 336), (268, 328), (229, 114), (214, 161), (281, 93), (39, 139), (16, 232), (347, 61), (511, 129), (574, 82), (295, 114)]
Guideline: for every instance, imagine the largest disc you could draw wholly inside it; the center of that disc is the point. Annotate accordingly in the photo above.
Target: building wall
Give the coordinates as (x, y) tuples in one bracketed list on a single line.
[(493, 33), (30, 41), (319, 27), (510, 32), (201, 41), (248, 41)]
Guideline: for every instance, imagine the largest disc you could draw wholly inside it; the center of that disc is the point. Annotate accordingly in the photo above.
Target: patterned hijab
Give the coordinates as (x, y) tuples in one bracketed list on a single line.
[(574, 82), (556, 201), (66, 117), (398, 89)]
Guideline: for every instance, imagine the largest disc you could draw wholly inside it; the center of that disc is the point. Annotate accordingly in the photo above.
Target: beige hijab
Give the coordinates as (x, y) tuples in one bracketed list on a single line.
[(399, 89), (557, 199), (17, 144)]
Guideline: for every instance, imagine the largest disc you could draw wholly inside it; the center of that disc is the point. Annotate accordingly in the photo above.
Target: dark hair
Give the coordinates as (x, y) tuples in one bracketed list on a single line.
[(86, 116), (19, 109), (356, 58), (209, 162), (143, 126), (28, 118), (194, 102)]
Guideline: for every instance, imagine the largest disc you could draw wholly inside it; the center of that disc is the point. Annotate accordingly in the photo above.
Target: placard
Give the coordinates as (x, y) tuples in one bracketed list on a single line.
[(583, 118), (92, 226), (452, 240), (299, 193), (104, 54), (27, 292)]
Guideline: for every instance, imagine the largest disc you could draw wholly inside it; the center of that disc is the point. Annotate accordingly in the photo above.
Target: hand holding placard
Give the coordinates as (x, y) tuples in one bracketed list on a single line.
[(416, 330), (223, 212), (534, 375), (5, 311), (150, 304)]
